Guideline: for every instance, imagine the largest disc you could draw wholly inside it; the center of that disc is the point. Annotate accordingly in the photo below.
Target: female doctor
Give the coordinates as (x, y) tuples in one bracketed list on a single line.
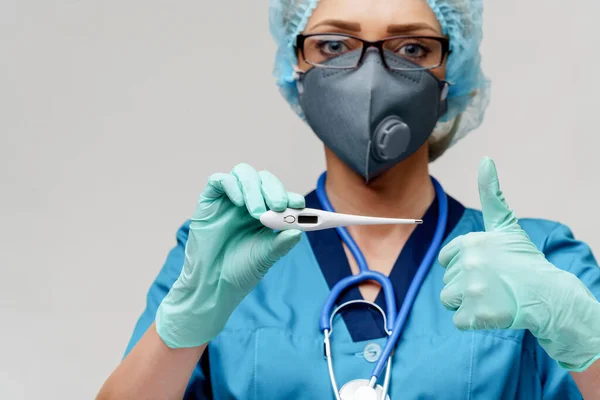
[(507, 308)]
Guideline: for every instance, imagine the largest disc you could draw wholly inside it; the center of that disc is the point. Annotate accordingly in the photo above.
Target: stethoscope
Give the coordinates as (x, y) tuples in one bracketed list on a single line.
[(362, 389)]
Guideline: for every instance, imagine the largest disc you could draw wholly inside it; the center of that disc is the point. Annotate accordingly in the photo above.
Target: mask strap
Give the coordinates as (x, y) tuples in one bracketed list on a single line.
[(297, 76), (445, 89), (297, 72)]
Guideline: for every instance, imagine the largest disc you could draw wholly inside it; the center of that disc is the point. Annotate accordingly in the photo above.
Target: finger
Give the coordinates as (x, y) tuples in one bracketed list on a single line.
[(279, 244), (284, 242), (464, 319), (475, 315), (496, 213), (249, 183), (296, 200), (219, 184), (458, 256), (273, 191), (452, 295), (450, 251), (452, 270)]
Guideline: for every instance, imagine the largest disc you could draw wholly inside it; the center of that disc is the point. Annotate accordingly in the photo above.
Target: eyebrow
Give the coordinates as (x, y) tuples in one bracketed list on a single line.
[(408, 28), (345, 25), (397, 29)]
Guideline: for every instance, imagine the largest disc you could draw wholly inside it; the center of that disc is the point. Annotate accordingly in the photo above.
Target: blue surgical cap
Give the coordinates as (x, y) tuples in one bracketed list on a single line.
[(461, 21)]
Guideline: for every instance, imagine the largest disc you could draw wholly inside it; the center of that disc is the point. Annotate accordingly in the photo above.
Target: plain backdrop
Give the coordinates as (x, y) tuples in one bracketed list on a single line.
[(114, 113)]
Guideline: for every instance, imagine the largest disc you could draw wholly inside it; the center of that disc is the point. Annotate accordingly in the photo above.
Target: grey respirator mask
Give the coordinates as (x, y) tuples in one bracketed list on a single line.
[(372, 117)]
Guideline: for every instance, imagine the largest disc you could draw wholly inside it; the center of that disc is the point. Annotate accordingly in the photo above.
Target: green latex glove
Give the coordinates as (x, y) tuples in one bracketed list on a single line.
[(227, 253), (498, 279)]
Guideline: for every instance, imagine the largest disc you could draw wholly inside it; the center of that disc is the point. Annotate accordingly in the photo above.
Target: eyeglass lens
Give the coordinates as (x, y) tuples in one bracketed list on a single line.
[(319, 49)]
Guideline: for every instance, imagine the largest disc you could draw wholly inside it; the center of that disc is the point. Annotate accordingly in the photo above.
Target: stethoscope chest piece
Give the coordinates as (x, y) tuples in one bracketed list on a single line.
[(359, 389)]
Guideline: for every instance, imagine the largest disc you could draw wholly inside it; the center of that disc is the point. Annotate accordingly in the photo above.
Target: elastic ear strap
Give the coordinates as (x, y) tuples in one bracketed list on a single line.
[(297, 76), (445, 90)]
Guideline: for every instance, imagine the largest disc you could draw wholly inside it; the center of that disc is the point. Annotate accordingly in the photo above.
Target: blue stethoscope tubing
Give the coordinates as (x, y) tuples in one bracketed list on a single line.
[(394, 322)]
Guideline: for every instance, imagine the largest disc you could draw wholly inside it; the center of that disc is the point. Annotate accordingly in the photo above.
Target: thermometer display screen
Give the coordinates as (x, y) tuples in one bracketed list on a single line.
[(308, 219)]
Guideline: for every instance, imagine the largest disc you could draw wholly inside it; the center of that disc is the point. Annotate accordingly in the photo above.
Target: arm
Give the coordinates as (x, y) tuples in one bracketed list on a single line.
[(152, 371), (221, 256), (563, 250), (499, 279), (588, 382)]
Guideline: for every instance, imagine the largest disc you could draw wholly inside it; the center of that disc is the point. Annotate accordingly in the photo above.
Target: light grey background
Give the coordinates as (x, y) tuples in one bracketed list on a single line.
[(113, 114)]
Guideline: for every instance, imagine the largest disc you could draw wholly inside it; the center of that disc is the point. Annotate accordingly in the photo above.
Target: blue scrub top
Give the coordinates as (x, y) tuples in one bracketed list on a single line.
[(271, 347)]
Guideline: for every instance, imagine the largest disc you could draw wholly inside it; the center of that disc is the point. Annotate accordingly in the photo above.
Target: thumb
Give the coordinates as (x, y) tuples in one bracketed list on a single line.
[(496, 213)]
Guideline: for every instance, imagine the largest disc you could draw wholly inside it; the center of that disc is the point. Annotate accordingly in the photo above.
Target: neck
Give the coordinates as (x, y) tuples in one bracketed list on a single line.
[(405, 191)]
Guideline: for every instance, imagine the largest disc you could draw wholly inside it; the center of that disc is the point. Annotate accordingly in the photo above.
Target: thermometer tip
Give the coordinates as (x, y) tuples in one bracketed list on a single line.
[(418, 221)]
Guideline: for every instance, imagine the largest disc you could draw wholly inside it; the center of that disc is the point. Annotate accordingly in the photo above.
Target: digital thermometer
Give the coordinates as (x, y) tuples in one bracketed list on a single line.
[(310, 219)]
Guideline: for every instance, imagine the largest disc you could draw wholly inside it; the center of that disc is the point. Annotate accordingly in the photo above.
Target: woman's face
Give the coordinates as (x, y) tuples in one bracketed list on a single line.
[(374, 20)]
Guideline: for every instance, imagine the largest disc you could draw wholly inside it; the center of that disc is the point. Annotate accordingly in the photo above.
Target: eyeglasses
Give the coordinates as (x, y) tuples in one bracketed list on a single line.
[(422, 52)]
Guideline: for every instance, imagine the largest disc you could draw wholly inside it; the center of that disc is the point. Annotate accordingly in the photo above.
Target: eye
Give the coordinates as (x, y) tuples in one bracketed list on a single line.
[(413, 51), (332, 47)]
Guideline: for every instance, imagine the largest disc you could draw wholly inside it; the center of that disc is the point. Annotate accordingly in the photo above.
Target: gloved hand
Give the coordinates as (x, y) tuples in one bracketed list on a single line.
[(498, 279), (227, 253)]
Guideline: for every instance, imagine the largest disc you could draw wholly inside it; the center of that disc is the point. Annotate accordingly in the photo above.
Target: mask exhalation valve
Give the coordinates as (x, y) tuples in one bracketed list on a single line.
[(391, 139)]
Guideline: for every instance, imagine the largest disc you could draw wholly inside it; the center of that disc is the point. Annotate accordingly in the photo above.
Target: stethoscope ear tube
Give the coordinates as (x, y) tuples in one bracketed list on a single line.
[(355, 302), (327, 344), (420, 276), (352, 280), (394, 324)]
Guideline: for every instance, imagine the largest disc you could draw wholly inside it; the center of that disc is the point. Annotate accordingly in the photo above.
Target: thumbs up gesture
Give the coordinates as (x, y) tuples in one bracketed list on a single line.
[(498, 279)]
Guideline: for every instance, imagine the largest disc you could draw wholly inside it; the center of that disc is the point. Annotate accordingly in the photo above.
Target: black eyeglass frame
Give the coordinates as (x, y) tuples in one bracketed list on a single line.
[(301, 39)]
